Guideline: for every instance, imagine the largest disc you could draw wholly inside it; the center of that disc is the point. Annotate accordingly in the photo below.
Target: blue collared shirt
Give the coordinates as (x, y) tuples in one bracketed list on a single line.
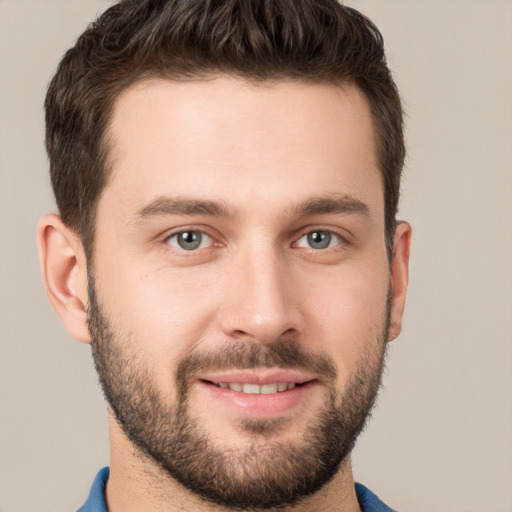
[(96, 500)]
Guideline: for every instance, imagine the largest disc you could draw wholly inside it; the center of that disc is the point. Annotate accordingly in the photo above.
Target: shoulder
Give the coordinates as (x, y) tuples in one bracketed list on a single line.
[(96, 500), (369, 502)]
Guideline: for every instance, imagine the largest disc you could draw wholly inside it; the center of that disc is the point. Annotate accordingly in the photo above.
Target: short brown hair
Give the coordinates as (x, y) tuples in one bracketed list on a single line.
[(257, 40)]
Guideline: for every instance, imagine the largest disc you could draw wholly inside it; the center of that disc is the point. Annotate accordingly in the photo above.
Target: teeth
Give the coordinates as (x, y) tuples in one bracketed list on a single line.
[(253, 389), (256, 389), (268, 389)]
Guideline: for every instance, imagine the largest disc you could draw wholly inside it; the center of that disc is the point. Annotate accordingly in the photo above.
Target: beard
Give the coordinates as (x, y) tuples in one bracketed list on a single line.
[(267, 473)]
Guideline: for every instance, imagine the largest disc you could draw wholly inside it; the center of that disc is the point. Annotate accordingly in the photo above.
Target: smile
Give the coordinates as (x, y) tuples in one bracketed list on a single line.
[(257, 389), (258, 393)]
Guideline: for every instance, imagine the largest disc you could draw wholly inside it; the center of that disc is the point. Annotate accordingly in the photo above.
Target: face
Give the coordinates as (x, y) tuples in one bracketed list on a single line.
[(240, 282)]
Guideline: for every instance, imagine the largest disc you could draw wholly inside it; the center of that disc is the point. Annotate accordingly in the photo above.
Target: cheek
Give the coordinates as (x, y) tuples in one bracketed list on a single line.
[(346, 315), (159, 313)]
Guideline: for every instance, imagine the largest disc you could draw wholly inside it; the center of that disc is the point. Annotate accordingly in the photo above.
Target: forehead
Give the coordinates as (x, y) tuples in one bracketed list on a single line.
[(243, 141)]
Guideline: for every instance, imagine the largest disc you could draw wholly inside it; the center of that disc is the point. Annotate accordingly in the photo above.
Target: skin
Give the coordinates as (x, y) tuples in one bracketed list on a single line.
[(262, 151)]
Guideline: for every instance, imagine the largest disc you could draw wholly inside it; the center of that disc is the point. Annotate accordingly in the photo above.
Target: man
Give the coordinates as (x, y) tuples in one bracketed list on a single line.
[(227, 176)]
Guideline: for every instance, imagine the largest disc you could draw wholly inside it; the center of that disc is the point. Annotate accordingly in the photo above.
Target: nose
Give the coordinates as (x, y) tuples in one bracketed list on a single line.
[(260, 303)]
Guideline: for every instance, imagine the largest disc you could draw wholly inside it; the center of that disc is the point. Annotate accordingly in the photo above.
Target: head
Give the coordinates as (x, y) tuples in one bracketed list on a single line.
[(227, 176), (276, 40)]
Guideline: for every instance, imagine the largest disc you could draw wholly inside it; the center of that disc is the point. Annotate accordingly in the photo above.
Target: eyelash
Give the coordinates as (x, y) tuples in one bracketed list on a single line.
[(202, 233), (331, 234)]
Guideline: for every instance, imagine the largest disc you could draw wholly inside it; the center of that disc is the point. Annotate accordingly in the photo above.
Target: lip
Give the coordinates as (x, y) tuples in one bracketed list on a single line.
[(258, 376), (257, 405)]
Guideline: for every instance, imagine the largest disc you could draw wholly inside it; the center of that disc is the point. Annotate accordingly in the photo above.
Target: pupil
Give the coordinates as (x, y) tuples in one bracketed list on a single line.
[(319, 239), (190, 240)]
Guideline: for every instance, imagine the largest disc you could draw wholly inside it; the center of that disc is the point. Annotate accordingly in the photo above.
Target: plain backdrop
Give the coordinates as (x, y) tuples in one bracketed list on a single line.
[(441, 436)]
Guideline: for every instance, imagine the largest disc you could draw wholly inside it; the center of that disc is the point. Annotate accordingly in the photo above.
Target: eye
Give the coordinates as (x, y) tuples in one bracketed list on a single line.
[(190, 240), (319, 240)]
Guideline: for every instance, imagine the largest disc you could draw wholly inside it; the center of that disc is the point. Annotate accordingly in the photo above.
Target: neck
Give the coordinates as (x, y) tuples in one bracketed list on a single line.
[(137, 484)]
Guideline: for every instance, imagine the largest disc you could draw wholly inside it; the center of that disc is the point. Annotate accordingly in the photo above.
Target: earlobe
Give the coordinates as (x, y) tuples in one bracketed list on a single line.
[(399, 277), (64, 268)]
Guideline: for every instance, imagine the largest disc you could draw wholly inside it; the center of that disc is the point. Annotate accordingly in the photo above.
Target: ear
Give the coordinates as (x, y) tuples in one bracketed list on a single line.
[(64, 269), (399, 277)]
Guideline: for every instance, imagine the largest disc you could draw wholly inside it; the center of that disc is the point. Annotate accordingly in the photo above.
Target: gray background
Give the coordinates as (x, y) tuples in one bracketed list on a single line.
[(441, 437)]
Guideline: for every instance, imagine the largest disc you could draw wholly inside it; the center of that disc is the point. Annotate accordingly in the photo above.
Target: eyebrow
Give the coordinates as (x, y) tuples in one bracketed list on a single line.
[(334, 204), (164, 205)]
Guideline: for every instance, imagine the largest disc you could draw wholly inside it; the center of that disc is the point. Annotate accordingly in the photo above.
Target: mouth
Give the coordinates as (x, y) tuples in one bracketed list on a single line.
[(257, 389), (256, 393)]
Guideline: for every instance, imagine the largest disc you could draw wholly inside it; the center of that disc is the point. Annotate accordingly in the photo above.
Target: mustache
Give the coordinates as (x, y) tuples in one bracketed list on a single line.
[(245, 355)]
